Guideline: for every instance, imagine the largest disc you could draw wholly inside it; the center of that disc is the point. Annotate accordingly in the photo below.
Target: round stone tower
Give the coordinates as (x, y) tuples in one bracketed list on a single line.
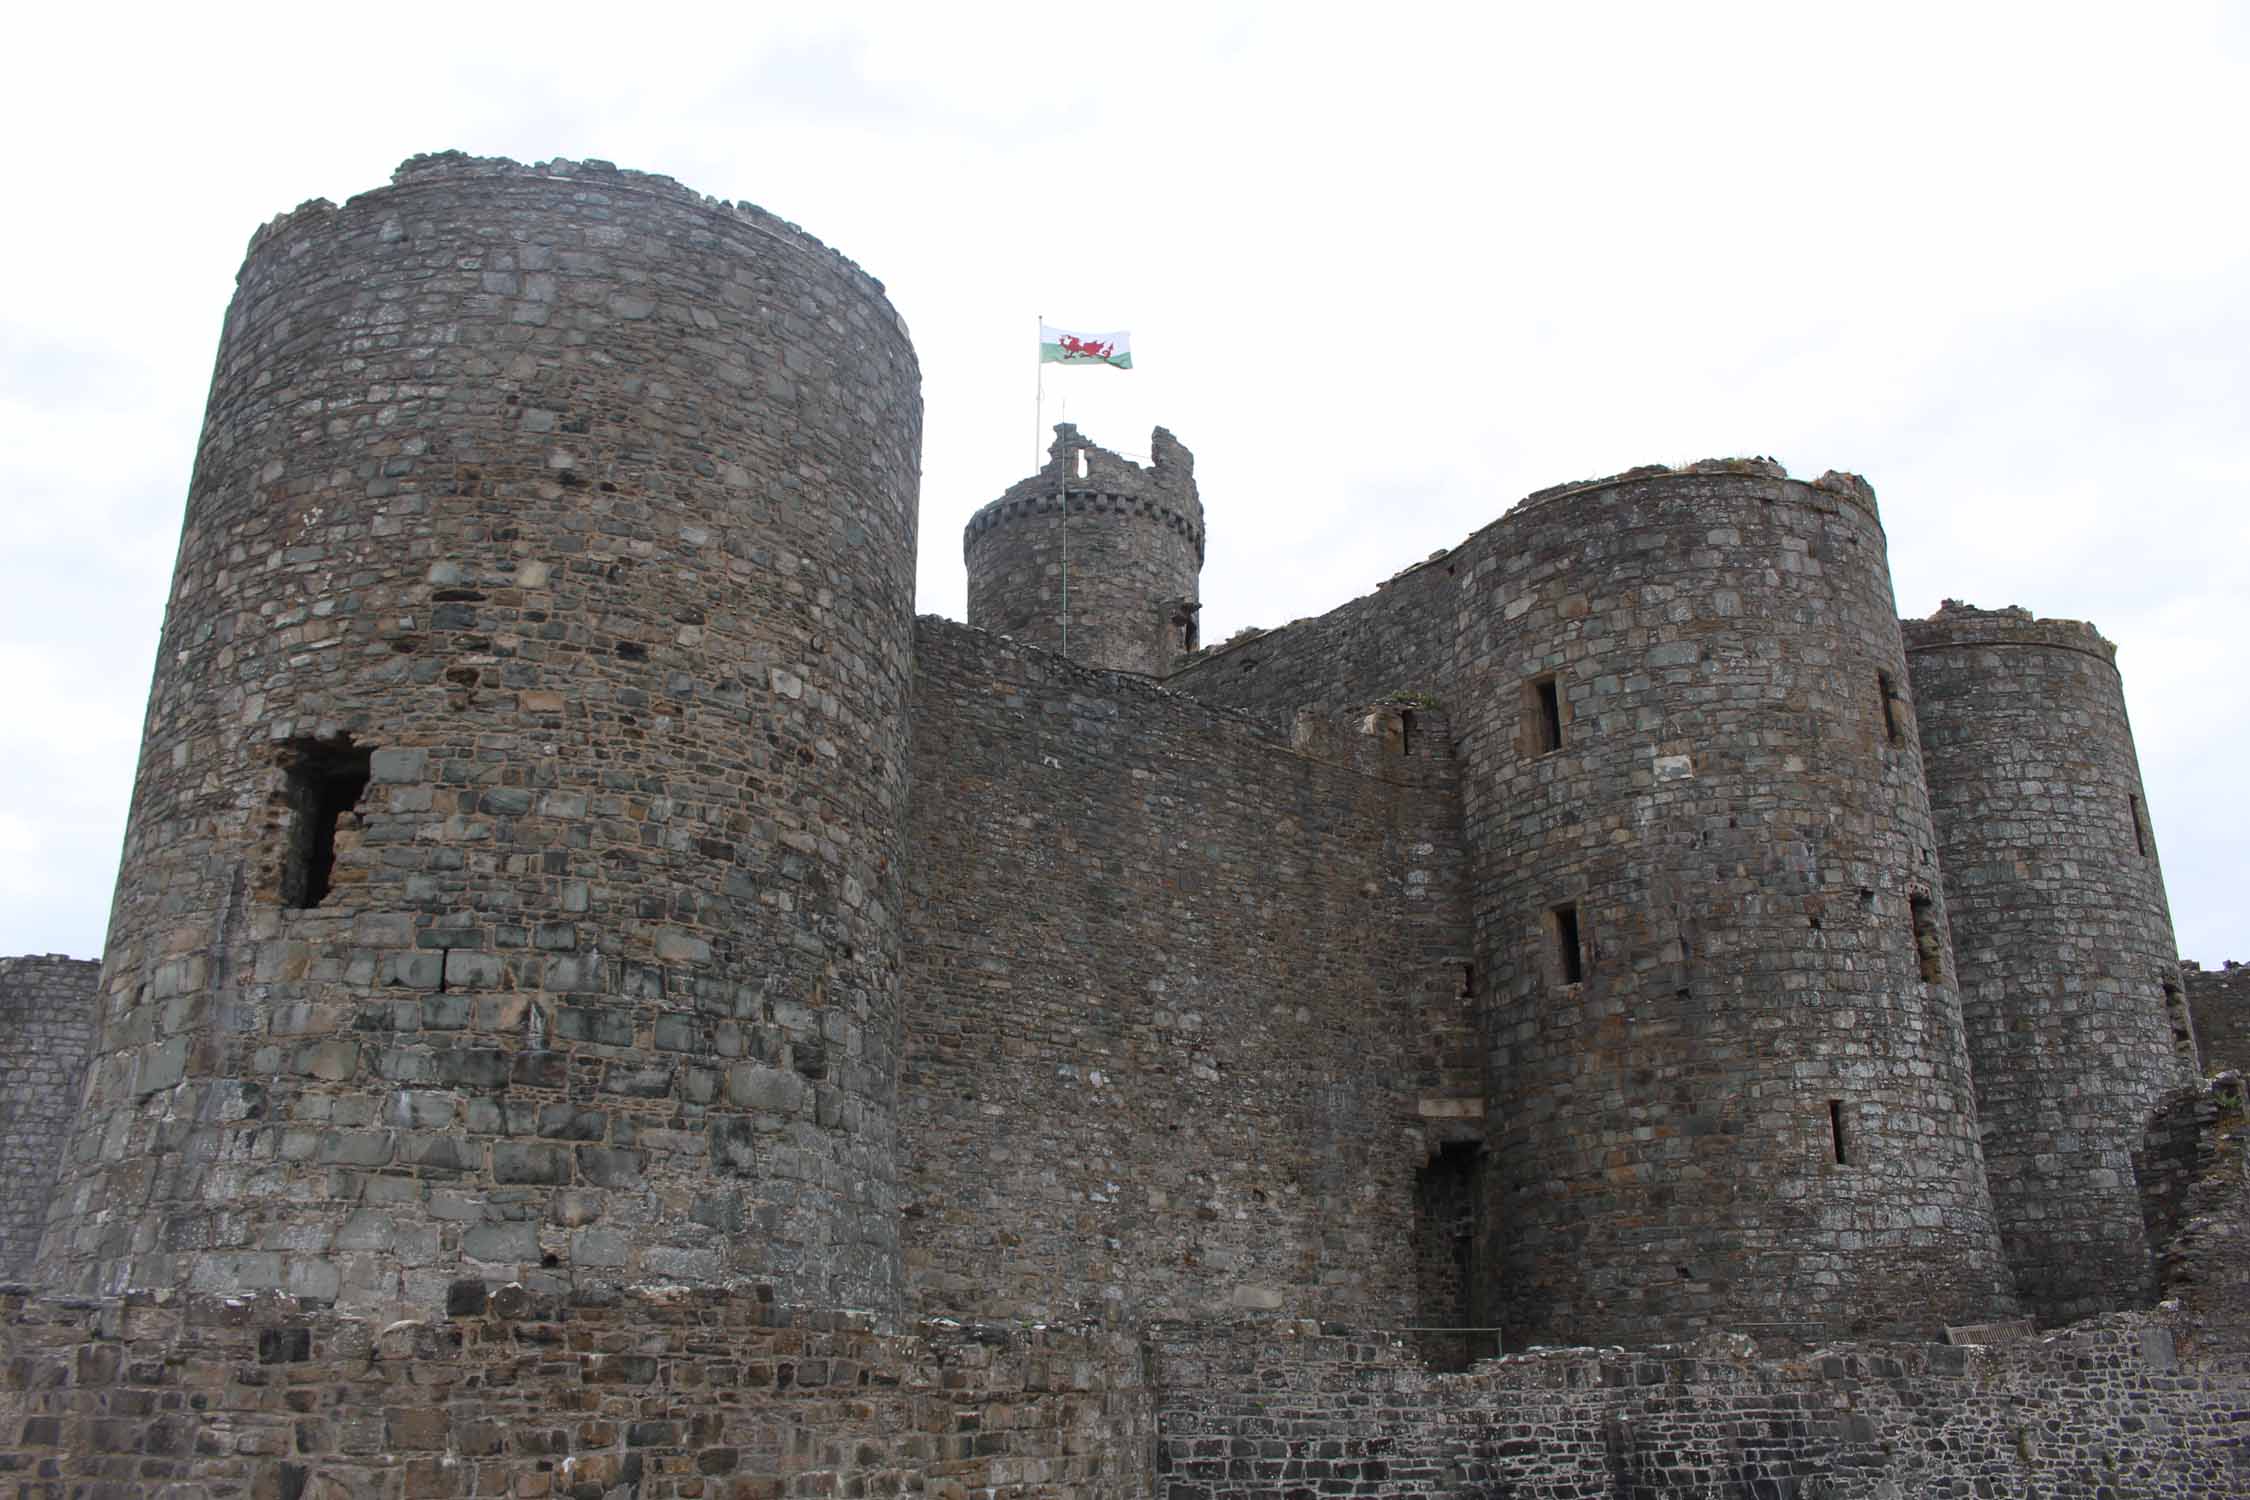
[(1729, 1085), (511, 891), (1093, 556), (2070, 979)]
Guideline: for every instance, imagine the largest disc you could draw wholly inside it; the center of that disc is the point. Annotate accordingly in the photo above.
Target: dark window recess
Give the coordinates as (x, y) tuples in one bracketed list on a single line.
[(326, 781), (1570, 958), (1836, 1138), (1929, 953), (2140, 829), (1543, 707), (1468, 980), (1889, 691), (1406, 731)]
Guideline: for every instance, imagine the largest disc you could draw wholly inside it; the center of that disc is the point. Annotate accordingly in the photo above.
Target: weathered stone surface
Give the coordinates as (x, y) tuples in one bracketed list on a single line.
[(46, 1034), (2219, 1001), (2070, 984), (1667, 693), (519, 486), (1180, 986), (1094, 556), (544, 1051)]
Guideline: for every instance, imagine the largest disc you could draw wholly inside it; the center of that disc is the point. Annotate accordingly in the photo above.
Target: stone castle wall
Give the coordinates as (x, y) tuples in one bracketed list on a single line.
[(1094, 556), (46, 1032), (2219, 1000), (1713, 790), (1398, 639), (1188, 1017), (1735, 1086), (653, 1393), (590, 970), (511, 885), (2078, 1026), (2125, 1405)]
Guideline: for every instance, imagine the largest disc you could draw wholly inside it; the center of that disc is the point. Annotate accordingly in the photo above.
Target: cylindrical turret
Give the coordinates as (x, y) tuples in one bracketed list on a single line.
[(1729, 1082), (1110, 580), (510, 890), (2070, 979)]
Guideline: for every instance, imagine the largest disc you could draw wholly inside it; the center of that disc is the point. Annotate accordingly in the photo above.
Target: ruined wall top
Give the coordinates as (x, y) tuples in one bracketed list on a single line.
[(1960, 624), (1164, 489), (596, 179)]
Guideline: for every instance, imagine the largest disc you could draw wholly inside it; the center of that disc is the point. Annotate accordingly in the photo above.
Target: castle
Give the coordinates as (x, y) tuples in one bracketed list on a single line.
[(601, 999)]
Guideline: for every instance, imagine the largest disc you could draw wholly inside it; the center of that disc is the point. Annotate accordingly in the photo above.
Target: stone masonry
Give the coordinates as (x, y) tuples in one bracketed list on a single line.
[(2219, 999), (546, 587), (46, 1031), (2078, 1026), (1094, 556), (601, 1002)]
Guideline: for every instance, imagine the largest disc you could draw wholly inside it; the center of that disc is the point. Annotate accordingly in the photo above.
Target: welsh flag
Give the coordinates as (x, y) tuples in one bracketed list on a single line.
[(1061, 346)]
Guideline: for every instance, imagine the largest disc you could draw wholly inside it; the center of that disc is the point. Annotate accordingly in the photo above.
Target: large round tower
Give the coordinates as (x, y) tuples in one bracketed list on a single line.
[(511, 889), (2070, 977), (1094, 556), (1729, 1083)]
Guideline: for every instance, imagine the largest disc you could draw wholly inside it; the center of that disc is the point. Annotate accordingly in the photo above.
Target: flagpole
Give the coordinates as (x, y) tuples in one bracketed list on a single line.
[(1062, 490), (1039, 396)]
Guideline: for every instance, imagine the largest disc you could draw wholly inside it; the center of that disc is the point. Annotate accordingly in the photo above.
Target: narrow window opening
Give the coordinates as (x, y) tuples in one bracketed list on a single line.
[(1570, 959), (325, 784), (1929, 954), (1468, 980), (1543, 707), (1836, 1139), (1081, 456), (1406, 731), (1889, 691), (2140, 831)]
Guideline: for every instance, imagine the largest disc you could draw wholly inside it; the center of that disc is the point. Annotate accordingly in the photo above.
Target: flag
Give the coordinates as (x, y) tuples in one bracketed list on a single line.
[(1061, 346)]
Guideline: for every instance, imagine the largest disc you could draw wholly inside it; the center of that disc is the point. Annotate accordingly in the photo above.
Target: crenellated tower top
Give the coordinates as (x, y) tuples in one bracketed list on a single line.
[(1095, 556)]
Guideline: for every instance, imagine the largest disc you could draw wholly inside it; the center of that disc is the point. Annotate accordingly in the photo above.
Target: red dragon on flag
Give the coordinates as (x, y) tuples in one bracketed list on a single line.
[(1061, 346)]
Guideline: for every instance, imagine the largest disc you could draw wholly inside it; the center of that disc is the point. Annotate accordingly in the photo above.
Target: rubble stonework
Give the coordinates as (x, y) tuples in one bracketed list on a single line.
[(2078, 1025), (1752, 1105), (2123, 1405), (602, 1002), (46, 1030), (2219, 1001), (1094, 556), (1179, 1103), (573, 514)]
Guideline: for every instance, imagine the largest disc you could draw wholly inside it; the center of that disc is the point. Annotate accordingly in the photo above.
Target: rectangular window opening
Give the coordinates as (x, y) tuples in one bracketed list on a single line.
[(1836, 1138), (326, 782), (1543, 708), (1889, 691), (1929, 953), (1406, 731), (1570, 958), (2140, 829)]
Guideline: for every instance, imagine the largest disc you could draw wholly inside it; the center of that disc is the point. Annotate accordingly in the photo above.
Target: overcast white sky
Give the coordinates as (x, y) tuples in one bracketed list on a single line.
[(1387, 269)]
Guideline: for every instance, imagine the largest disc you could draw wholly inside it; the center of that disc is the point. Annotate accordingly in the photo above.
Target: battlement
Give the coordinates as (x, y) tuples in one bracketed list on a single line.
[(1117, 590), (1094, 480)]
